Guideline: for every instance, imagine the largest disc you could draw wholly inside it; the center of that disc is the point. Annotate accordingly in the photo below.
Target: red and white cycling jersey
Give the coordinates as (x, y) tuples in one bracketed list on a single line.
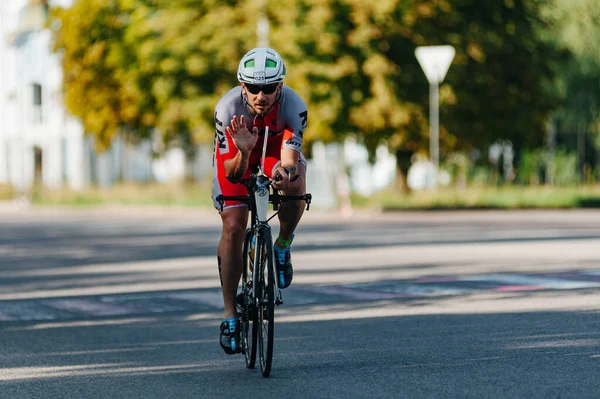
[(286, 121)]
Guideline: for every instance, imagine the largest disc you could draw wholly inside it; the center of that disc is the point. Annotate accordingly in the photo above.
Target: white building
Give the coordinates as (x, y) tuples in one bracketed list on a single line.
[(39, 142)]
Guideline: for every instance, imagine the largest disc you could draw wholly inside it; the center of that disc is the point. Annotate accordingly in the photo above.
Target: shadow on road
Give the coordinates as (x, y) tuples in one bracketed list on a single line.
[(65, 244), (541, 354), (86, 319)]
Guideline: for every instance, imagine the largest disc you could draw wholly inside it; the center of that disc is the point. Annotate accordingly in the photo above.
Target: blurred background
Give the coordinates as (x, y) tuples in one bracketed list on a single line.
[(112, 101), (107, 102)]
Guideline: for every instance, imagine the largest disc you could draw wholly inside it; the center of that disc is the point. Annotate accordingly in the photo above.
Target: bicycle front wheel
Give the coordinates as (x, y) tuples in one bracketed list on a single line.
[(248, 311), (266, 301)]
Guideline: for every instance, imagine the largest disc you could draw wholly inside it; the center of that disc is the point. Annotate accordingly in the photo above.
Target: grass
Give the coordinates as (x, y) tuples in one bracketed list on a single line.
[(510, 197), (198, 195), (150, 194), (6, 192)]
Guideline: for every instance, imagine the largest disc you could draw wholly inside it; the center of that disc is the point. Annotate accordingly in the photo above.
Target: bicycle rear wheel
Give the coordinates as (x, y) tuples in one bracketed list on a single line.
[(266, 299), (248, 314)]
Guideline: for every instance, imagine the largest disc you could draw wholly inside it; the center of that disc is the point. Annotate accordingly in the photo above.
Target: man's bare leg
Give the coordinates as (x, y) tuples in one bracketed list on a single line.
[(229, 253), (291, 212)]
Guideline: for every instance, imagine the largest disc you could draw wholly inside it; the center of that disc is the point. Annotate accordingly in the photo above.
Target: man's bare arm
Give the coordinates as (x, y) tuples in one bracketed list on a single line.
[(289, 160), (236, 167)]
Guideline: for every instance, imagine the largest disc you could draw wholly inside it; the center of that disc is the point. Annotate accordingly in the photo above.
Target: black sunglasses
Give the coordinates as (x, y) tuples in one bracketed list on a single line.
[(267, 89)]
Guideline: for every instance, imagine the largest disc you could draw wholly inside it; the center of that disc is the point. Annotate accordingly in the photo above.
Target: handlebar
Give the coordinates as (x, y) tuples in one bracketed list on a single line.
[(252, 178), (275, 198)]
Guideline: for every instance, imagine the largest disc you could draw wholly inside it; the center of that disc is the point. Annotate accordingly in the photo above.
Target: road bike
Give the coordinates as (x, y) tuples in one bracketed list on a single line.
[(260, 293)]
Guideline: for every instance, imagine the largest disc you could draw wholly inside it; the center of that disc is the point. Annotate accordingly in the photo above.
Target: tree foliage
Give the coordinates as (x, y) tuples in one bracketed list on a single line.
[(577, 32), (91, 34), (136, 65), (356, 64)]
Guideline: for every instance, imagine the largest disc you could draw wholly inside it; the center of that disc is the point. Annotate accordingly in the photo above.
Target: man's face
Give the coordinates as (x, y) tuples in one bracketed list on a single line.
[(261, 97)]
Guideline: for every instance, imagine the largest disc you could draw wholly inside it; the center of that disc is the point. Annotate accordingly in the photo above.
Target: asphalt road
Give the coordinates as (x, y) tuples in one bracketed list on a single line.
[(125, 303)]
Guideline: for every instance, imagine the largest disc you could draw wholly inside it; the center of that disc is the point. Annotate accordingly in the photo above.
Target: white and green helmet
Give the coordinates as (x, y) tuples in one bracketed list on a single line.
[(261, 66)]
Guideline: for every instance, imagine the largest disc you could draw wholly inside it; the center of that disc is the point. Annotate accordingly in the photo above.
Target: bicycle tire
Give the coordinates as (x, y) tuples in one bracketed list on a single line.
[(266, 310), (249, 322)]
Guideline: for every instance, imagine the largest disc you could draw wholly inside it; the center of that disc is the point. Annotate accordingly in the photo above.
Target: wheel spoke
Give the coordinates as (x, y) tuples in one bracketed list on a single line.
[(249, 325), (267, 303)]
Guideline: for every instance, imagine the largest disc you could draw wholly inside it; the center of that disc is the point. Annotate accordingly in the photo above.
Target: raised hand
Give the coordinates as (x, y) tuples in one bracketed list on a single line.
[(243, 139)]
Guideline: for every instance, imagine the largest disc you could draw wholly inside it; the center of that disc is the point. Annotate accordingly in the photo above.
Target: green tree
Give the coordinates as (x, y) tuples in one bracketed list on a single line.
[(90, 38), (355, 60), (577, 33), (333, 62), (186, 57), (136, 65), (497, 87)]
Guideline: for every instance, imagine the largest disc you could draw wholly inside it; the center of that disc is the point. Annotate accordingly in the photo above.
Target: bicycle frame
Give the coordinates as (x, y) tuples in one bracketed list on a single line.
[(258, 199)]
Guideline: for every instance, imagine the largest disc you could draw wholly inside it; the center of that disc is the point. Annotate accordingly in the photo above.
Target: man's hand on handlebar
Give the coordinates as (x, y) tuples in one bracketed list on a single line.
[(281, 179)]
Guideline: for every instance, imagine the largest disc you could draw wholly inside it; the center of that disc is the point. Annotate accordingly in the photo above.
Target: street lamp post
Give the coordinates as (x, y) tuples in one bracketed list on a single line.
[(435, 61), (262, 30), (434, 128), (262, 25)]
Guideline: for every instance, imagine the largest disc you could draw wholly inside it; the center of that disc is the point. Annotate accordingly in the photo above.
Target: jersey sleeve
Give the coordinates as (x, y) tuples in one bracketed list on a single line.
[(224, 146), (296, 115)]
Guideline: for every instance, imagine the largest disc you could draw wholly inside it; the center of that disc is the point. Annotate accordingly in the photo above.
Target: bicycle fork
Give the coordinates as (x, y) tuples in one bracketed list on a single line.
[(260, 269), (261, 199)]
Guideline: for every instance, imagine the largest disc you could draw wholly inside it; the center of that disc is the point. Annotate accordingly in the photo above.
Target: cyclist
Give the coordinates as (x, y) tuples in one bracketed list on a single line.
[(241, 116)]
